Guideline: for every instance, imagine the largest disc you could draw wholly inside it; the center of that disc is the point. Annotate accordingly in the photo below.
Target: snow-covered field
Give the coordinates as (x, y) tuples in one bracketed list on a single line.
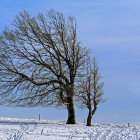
[(21, 129)]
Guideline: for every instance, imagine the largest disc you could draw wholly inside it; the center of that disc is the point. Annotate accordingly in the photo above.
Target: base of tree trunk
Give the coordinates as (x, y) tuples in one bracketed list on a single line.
[(89, 119), (88, 122), (71, 121), (71, 111)]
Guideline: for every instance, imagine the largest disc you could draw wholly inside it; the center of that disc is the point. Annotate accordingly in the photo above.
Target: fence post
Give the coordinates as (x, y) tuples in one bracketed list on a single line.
[(39, 117), (84, 120)]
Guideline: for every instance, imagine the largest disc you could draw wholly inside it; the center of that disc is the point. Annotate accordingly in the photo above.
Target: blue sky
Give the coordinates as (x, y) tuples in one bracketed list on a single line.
[(111, 29)]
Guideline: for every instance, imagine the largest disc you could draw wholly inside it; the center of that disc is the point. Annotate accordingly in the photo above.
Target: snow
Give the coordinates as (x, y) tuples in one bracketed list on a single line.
[(25, 129)]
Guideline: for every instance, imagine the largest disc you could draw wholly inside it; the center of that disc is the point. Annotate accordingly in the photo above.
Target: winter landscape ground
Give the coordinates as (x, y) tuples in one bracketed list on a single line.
[(22, 129)]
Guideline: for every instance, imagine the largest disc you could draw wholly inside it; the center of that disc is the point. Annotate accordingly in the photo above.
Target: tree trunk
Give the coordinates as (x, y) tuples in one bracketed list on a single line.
[(90, 115), (89, 118), (71, 111)]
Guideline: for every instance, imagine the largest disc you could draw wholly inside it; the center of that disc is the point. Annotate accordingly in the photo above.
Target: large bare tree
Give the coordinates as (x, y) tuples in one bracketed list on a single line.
[(40, 60), (91, 88)]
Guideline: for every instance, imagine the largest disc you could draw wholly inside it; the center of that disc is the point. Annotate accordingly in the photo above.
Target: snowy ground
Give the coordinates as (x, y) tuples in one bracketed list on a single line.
[(21, 129)]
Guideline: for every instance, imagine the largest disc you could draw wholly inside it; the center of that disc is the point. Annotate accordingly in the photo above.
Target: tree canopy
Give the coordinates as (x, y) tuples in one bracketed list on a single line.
[(42, 62)]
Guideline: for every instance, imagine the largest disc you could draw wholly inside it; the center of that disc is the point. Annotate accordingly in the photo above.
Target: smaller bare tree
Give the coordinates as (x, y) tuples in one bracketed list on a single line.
[(91, 92)]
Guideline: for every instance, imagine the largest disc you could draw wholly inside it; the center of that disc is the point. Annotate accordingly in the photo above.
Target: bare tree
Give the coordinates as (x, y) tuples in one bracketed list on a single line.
[(40, 61), (91, 93)]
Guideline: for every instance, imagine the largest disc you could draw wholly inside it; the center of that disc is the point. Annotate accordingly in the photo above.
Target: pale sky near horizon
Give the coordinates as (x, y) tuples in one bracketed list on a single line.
[(111, 29)]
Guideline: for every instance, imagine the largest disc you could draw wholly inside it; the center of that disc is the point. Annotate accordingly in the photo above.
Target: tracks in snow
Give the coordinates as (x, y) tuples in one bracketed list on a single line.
[(116, 132), (60, 131), (17, 131), (17, 135)]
